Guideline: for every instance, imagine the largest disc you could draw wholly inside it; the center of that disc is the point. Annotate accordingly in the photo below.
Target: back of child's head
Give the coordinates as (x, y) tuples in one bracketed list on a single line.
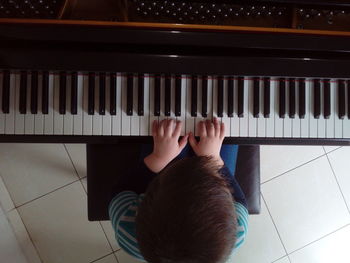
[(187, 215)]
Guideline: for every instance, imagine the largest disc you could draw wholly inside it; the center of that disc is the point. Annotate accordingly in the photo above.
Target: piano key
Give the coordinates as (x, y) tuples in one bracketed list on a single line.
[(23, 93), (244, 121), (34, 93), (220, 97), (2, 115), (302, 99), (252, 126), (230, 97), (332, 109), (256, 100), (225, 118), (106, 117), (204, 96), (261, 121), (48, 102), (57, 115), (312, 120), (62, 93), (96, 118), (292, 98), (68, 117), (102, 93), (145, 120), (135, 119), (45, 92), (235, 119), (113, 93), (91, 94), (194, 91), (39, 116), (199, 117), (287, 121), (87, 115), (267, 96), (6, 92), (348, 97), (19, 118), (157, 81), (78, 117), (279, 87), (341, 99), (162, 99), (296, 121), (327, 98), (10, 84), (346, 122), (270, 84), (190, 120), (240, 97), (29, 123), (178, 95), (152, 105), (117, 118), (182, 118), (317, 98), (282, 97), (141, 91), (125, 118), (338, 122), (74, 93), (172, 98), (321, 122), (167, 91)]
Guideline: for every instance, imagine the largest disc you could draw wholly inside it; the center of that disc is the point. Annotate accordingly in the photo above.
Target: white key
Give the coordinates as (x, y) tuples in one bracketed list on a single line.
[(321, 123), (252, 121), (125, 118), (152, 117), (135, 122), (225, 119), (312, 121), (78, 118), (117, 118), (49, 118), (199, 117), (144, 120), (39, 118), (210, 97), (304, 123), (338, 123), (97, 118), (278, 120), (190, 121), (2, 115), (296, 120), (29, 124), (10, 117), (270, 122), (261, 129), (346, 121), (330, 121), (68, 117), (87, 119), (107, 118), (244, 122), (183, 104), (235, 120), (19, 118), (287, 122), (57, 117), (162, 99)]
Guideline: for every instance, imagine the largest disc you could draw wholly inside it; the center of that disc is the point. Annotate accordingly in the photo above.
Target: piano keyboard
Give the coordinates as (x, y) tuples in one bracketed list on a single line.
[(60, 103)]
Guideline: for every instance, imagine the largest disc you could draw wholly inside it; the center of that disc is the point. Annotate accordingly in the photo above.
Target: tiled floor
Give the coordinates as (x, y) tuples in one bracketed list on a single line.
[(305, 216)]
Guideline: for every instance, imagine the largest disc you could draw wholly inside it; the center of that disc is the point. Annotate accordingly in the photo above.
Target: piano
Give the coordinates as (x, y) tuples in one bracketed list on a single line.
[(275, 72)]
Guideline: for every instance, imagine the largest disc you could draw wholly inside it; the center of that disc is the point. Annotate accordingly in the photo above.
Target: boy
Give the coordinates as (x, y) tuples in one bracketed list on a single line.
[(193, 209)]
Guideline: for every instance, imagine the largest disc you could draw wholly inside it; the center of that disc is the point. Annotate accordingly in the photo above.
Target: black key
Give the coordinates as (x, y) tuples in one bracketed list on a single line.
[(267, 97), (62, 99), (23, 93), (91, 96), (205, 96), (167, 102), (178, 95), (6, 92), (317, 98), (34, 93), (230, 97), (194, 90), (256, 102), (327, 98), (102, 91), (302, 107), (45, 93), (292, 98), (348, 98), (341, 99), (130, 94), (282, 101), (157, 95), (74, 94), (113, 94), (140, 94), (220, 98), (240, 97)]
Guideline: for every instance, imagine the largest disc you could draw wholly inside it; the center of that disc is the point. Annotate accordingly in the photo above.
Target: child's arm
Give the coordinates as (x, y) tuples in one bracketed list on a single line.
[(166, 144)]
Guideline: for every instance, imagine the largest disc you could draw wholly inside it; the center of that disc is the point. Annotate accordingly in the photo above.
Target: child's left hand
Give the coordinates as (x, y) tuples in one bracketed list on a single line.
[(166, 144)]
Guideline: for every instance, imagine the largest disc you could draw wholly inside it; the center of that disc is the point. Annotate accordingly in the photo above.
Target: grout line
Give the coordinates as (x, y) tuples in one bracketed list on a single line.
[(293, 169), (71, 160), (336, 179), (285, 256), (95, 260)]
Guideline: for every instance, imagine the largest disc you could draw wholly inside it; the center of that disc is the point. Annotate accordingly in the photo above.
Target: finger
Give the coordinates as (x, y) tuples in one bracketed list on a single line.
[(202, 130), (169, 127), (161, 128), (210, 129), (183, 142), (192, 141), (154, 128), (222, 131), (217, 127), (177, 130)]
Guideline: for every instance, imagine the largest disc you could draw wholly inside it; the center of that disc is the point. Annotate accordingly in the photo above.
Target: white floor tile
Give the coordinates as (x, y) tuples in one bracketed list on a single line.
[(32, 170), (60, 229), (109, 259), (283, 260), (107, 227), (306, 204), (5, 199), (330, 148), (333, 248), (78, 154), (275, 160), (84, 181), (262, 239), (340, 161), (123, 257)]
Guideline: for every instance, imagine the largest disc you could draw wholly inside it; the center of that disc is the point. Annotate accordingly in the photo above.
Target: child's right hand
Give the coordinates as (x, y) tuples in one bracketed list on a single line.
[(211, 136)]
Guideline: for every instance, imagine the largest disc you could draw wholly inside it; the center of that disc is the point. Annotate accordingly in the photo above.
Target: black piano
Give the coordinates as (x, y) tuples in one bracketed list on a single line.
[(275, 72)]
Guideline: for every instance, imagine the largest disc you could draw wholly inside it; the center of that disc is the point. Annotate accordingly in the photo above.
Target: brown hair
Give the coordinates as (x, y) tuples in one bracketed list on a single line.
[(187, 215)]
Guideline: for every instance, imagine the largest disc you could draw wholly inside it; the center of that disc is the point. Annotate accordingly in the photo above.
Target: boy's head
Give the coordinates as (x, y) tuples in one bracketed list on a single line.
[(187, 215)]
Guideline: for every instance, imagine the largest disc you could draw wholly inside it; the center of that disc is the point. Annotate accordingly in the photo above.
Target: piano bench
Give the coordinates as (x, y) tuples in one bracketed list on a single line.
[(107, 162)]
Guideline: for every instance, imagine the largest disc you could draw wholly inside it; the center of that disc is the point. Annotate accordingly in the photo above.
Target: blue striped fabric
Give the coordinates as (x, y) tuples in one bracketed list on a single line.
[(122, 213)]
